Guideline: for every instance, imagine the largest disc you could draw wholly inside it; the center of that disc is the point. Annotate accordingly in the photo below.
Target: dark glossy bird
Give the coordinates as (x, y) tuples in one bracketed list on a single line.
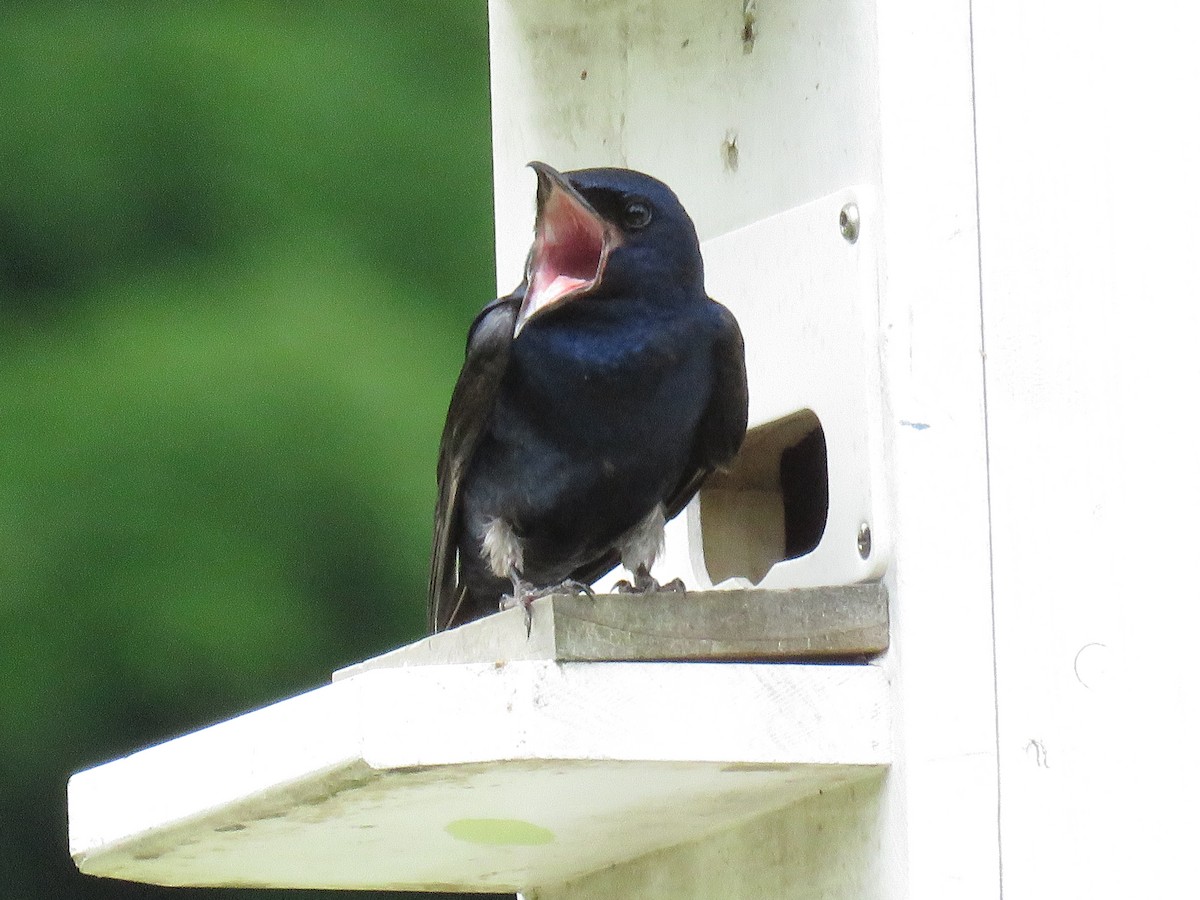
[(592, 403)]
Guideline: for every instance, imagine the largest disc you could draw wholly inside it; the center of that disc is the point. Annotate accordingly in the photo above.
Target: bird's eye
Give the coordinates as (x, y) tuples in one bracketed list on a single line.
[(637, 214)]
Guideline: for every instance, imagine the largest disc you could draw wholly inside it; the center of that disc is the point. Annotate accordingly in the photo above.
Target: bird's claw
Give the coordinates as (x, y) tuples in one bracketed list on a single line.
[(525, 600), (524, 594), (644, 583), (571, 586)]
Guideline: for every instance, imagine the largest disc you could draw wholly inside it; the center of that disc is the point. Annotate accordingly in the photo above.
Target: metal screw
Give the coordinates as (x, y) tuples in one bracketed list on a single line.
[(864, 540), (848, 221)]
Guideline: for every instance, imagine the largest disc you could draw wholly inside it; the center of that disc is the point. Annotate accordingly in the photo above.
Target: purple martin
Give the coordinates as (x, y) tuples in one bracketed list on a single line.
[(593, 401)]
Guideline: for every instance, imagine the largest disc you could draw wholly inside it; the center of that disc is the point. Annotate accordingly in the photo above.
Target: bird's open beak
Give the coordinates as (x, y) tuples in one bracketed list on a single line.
[(570, 246)]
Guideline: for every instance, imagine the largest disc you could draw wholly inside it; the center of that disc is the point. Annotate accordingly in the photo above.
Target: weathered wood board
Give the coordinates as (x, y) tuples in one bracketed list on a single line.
[(809, 624)]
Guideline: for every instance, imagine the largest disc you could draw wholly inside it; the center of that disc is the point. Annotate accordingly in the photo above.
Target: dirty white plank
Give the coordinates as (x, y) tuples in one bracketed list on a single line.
[(478, 776), (821, 848)]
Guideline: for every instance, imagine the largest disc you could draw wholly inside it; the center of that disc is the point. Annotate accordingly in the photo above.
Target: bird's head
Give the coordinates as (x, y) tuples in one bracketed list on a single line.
[(602, 231)]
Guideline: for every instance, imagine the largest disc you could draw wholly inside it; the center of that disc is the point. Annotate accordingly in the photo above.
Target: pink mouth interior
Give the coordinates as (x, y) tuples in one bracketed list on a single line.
[(569, 253)]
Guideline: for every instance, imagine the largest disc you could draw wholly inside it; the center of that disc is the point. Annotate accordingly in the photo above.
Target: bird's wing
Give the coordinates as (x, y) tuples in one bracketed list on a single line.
[(471, 404), (719, 433), (723, 426)]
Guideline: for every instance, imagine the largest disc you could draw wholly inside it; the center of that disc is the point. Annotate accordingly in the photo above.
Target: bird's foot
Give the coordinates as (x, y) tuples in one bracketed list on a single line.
[(644, 583), (525, 593), (569, 587)]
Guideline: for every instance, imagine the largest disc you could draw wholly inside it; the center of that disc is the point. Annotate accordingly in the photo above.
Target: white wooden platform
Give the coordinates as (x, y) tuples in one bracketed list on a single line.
[(479, 776)]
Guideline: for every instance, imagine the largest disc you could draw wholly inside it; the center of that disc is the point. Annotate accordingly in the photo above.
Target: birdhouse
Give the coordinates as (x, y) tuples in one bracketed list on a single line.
[(925, 647), (765, 121)]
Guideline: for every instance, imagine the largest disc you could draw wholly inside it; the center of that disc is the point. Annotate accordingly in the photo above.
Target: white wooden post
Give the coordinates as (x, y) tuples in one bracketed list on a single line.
[(1001, 361), (1088, 141)]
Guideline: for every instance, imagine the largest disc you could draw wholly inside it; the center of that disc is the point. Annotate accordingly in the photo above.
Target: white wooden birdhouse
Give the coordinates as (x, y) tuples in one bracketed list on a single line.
[(959, 240)]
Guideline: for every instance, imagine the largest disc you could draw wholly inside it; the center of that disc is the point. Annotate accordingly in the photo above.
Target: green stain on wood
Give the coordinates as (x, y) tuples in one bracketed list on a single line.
[(499, 832)]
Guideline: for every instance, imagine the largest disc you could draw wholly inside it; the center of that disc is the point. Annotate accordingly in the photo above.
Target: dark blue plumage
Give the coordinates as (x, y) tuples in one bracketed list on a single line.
[(593, 401)]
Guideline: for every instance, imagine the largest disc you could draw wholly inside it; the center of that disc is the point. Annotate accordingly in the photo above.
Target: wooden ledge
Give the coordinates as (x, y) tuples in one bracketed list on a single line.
[(482, 759), (479, 776), (844, 622)]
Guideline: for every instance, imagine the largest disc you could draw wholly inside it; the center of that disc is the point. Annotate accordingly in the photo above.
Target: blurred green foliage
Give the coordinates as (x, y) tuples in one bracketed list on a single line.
[(239, 247)]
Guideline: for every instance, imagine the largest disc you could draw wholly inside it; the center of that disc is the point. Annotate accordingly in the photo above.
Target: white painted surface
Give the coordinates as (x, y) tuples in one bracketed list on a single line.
[(939, 834), (1088, 147), (370, 782), (825, 847), (668, 85)]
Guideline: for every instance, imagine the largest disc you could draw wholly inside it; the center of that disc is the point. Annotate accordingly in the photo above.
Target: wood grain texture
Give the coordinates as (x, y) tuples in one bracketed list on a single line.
[(825, 623)]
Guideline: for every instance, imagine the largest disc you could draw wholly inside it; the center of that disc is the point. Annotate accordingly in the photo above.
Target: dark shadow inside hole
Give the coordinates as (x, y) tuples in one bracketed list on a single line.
[(804, 486), (772, 505)]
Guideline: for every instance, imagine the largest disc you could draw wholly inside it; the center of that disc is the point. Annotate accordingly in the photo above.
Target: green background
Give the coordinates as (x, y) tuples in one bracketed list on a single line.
[(240, 245)]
